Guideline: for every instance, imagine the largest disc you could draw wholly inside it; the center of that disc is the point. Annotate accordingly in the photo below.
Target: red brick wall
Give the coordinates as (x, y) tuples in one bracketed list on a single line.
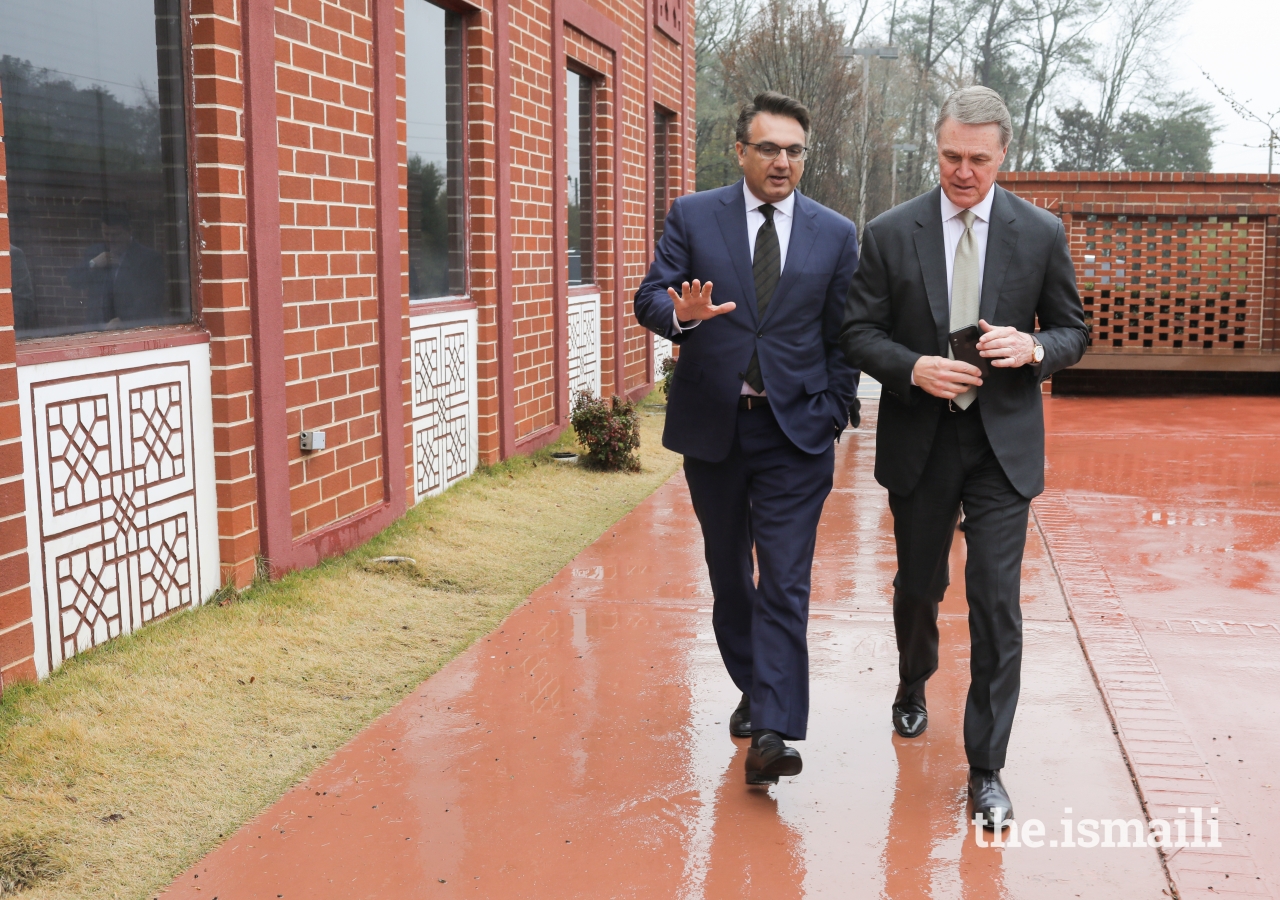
[(1199, 253), (324, 78), (17, 640), (324, 91), (220, 280)]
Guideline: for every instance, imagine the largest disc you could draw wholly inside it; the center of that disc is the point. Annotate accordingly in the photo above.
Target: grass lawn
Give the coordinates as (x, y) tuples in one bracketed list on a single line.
[(133, 760)]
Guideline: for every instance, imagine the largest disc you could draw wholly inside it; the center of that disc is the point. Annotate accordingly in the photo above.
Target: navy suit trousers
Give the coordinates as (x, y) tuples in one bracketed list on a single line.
[(767, 493)]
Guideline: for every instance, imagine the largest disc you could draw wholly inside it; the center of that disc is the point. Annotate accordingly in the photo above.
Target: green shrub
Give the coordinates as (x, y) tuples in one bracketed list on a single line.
[(668, 372), (609, 430)]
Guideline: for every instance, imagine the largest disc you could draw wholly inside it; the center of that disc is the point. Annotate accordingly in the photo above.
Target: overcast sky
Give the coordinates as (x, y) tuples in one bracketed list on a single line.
[(1238, 43)]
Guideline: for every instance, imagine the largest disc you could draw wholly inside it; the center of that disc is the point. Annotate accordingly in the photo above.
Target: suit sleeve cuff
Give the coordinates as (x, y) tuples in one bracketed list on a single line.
[(679, 328)]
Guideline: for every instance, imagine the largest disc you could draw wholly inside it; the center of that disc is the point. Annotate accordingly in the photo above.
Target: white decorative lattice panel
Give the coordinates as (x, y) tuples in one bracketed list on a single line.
[(661, 353), (584, 345), (443, 348), (121, 512)]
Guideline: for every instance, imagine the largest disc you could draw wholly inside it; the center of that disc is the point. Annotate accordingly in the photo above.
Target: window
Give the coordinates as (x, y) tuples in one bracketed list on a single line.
[(661, 138), (580, 153), (433, 101), (91, 92)]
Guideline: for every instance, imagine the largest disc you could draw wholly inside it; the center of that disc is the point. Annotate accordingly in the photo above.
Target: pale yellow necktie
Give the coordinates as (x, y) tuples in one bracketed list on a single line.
[(965, 292)]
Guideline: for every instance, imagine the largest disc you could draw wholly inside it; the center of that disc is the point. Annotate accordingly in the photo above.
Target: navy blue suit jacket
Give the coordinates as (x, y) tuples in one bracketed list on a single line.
[(809, 383)]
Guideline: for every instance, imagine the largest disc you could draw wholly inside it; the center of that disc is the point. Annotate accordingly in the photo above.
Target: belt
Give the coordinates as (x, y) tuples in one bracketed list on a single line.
[(748, 401)]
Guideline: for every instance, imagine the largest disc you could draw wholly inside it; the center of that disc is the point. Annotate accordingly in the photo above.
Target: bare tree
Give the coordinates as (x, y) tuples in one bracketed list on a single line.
[(1056, 37), (792, 46)]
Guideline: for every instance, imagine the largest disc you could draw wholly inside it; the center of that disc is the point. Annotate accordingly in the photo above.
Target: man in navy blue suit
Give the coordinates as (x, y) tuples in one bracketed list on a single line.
[(761, 392)]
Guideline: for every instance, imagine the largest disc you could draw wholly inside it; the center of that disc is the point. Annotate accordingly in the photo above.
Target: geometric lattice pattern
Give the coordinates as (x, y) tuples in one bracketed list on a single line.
[(442, 405), (584, 345), (116, 503), (661, 353), (1171, 282)]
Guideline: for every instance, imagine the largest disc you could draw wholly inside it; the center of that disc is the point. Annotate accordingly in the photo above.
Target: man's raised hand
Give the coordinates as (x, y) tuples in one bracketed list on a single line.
[(693, 303)]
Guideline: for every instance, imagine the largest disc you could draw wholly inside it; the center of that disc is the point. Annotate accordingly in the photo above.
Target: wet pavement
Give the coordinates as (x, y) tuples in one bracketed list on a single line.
[(582, 749)]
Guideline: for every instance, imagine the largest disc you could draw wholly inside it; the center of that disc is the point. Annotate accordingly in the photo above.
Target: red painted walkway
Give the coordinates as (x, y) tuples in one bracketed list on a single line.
[(582, 749)]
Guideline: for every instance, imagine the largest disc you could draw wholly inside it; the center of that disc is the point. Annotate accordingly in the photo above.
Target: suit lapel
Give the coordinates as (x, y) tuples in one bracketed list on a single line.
[(804, 231), (933, 264), (1002, 238), (732, 217)]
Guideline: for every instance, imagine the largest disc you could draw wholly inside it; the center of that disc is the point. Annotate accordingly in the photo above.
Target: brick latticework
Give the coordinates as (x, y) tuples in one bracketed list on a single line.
[(1169, 261), (318, 87)]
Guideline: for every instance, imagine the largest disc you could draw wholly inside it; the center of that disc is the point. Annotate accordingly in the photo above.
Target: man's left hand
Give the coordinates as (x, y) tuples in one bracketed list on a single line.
[(1005, 346)]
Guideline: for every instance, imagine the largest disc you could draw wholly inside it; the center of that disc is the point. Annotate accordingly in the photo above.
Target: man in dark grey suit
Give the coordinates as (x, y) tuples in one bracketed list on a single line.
[(966, 255)]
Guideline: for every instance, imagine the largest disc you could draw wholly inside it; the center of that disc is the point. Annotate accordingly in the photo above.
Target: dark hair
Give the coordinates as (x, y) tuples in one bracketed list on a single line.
[(776, 104)]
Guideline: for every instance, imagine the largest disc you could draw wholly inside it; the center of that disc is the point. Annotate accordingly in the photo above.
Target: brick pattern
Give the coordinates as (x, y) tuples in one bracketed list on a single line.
[(324, 78), (1168, 769), (1171, 281), (17, 639), (220, 281), (482, 198), (1194, 202)]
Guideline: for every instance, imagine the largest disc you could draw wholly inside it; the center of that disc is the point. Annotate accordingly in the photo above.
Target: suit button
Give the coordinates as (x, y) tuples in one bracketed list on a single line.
[(759, 334), (742, 374)]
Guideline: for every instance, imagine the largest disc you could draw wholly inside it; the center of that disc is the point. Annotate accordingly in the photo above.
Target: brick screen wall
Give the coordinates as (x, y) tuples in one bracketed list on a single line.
[(1169, 261)]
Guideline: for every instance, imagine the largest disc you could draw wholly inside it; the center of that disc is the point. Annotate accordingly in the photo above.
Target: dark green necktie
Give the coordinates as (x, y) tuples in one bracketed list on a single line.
[(766, 266)]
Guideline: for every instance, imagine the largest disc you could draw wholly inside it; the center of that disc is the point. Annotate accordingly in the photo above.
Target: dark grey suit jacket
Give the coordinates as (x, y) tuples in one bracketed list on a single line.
[(897, 311)]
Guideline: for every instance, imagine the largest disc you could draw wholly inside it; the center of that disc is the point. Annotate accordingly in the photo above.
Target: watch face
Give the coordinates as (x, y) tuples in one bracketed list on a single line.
[(1038, 353)]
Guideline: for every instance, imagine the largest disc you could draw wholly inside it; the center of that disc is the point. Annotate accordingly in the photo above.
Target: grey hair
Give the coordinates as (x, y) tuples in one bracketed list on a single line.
[(976, 105)]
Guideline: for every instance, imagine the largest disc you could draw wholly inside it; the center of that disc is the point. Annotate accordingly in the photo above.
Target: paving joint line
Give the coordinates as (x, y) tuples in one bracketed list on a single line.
[(1124, 672)]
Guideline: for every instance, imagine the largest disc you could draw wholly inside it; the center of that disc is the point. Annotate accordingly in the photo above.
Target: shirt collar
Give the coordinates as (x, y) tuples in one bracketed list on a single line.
[(982, 209), (786, 207)]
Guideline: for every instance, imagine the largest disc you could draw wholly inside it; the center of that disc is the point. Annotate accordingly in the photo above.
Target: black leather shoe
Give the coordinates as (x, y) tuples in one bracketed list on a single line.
[(990, 799), (910, 718), (769, 759), (740, 721)]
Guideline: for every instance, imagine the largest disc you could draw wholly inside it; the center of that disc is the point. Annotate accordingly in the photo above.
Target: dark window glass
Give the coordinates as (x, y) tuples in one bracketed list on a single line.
[(95, 140), (433, 101), (578, 128), (661, 136)]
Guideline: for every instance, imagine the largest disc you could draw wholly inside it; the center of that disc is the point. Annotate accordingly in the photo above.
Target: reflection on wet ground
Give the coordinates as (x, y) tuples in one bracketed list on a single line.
[(582, 750), (1179, 498)]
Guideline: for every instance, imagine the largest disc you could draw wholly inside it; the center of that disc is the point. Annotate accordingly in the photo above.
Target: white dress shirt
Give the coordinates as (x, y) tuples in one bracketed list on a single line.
[(953, 230), (783, 216)]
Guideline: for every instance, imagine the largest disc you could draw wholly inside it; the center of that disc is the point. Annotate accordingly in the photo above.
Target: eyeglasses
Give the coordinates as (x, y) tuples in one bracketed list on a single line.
[(795, 153)]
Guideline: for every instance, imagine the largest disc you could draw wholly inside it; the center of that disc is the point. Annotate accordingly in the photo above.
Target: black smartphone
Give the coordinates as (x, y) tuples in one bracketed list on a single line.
[(964, 347)]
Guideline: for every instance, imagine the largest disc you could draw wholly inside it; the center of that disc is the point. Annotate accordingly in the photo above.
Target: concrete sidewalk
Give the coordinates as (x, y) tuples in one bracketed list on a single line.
[(581, 750)]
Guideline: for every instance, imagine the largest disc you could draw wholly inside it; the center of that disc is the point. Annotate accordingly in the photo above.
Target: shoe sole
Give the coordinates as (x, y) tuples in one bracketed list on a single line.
[(788, 766)]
